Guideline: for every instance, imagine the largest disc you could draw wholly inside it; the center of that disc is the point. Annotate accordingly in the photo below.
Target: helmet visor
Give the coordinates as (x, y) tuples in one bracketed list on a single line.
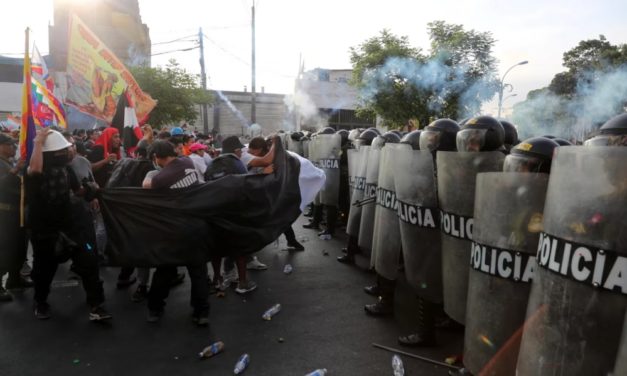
[(617, 140), (430, 140), (520, 163), (601, 140), (471, 139)]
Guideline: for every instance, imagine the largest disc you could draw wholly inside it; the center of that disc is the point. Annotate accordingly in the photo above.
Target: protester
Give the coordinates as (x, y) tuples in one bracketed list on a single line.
[(55, 219), (175, 173), (198, 157), (12, 235), (105, 153)]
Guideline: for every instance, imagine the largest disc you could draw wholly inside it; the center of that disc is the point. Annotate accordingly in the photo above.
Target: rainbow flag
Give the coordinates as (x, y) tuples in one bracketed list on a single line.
[(28, 128), (40, 108)]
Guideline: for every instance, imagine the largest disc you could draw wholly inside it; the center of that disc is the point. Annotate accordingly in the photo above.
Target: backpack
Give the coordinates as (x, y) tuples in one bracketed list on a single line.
[(227, 164)]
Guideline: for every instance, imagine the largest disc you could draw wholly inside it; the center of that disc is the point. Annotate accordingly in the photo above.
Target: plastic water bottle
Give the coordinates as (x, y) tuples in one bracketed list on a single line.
[(397, 366), (318, 372), (288, 269), (241, 364), (212, 350), (267, 315)]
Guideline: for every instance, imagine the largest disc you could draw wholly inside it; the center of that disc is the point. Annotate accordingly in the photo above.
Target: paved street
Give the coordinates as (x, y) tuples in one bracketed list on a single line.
[(322, 322)]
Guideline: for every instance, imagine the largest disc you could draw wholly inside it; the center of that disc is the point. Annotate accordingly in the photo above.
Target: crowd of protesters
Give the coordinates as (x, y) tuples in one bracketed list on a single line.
[(51, 203)]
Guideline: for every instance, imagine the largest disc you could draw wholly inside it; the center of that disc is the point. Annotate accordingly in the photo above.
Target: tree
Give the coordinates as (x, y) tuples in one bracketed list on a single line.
[(176, 91), (399, 82)]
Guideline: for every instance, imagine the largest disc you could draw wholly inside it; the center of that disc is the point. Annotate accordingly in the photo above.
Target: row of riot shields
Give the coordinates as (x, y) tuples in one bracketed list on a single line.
[(324, 151), (534, 265)]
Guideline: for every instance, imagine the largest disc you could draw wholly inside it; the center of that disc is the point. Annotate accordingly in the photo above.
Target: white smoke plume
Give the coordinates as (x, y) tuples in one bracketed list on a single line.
[(599, 96)]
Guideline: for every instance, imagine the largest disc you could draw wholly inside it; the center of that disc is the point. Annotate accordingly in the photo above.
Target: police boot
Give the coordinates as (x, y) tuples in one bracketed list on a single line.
[(314, 224), (351, 249), (385, 305), (426, 327)]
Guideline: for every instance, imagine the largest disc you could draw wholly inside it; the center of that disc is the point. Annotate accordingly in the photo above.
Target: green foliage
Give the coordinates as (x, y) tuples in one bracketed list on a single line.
[(176, 91), (396, 81)]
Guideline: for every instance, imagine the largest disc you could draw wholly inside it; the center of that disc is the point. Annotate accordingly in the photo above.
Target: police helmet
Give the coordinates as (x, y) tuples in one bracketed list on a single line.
[(344, 134), (375, 129), (612, 133), (354, 135), (366, 137), (439, 135), (481, 133), (511, 134), (296, 136), (562, 142), (413, 139), (392, 137), (327, 130), (532, 155)]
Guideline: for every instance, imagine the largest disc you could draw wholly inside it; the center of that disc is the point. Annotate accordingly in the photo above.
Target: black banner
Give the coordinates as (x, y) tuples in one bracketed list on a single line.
[(502, 263), (456, 226), (583, 263)]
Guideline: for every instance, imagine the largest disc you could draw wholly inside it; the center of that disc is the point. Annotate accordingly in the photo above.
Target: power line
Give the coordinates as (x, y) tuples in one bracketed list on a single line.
[(183, 39), (179, 50)]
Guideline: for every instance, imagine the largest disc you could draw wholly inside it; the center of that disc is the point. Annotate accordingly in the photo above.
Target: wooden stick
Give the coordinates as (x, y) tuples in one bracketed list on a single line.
[(424, 359)]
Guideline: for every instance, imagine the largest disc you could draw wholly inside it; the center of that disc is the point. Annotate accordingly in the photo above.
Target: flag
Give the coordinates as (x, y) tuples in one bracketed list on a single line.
[(125, 120), (47, 109), (97, 78), (28, 128)]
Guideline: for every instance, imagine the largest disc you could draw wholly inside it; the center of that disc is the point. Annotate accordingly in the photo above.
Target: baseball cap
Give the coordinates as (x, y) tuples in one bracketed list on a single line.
[(230, 144), (5, 139), (197, 146)]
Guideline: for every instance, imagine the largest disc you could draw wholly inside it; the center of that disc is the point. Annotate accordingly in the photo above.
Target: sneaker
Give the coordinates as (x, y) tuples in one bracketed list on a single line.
[(5, 296), (26, 270), (229, 277), (154, 316), (98, 313), (295, 245), (200, 319), (325, 235), (312, 225), (42, 311), (243, 288), (124, 283), (140, 294), (19, 283), (255, 264)]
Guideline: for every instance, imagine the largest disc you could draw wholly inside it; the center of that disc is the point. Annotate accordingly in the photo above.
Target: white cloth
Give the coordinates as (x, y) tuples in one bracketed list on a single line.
[(208, 159), (246, 157), (310, 180), (200, 165)]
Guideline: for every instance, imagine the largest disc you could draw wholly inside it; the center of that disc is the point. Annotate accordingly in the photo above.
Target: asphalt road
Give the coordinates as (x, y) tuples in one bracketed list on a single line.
[(322, 324)]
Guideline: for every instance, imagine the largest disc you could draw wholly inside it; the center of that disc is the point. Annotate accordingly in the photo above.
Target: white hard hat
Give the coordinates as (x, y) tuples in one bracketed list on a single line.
[(55, 141)]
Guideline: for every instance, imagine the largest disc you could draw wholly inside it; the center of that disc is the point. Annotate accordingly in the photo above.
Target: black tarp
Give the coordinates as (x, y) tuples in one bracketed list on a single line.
[(234, 215)]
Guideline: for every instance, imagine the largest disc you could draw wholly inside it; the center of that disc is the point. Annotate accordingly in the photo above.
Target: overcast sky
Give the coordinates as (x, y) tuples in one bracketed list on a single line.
[(322, 32)]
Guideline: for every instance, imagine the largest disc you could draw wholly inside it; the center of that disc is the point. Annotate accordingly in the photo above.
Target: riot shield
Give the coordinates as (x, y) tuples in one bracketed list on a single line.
[(457, 172), (620, 368), (306, 143), (578, 295), (419, 221), (359, 182), (353, 160), (366, 225), (507, 224), (313, 157), (328, 149), (386, 239), (295, 146)]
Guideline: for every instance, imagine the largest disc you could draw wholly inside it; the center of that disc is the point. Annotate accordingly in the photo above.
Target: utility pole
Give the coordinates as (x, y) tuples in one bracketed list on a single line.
[(253, 107), (203, 81)]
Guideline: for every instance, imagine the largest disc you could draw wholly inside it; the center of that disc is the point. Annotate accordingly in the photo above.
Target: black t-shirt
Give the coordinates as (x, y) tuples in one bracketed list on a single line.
[(102, 176), (179, 173), (9, 186), (48, 195)]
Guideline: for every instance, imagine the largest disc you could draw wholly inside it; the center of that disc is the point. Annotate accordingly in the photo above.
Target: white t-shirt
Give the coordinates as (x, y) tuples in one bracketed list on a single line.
[(310, 180), (200, 165), (246, 158)]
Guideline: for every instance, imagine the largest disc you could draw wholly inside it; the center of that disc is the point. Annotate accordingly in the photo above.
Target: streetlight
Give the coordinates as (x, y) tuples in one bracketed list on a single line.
[(503, 85)]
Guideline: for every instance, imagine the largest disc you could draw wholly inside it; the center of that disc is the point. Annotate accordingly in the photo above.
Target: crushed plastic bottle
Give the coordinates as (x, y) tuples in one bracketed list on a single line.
[(397, 366), (267, 315), (241, 364), (288, 269), (318, 372), (212, 350), (325, 237)]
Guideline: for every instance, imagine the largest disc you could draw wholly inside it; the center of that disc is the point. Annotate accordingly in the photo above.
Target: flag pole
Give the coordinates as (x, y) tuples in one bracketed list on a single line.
[(22, 190)]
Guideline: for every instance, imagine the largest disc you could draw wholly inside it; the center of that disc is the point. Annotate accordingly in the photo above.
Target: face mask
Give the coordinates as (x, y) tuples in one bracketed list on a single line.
[(56, 159)]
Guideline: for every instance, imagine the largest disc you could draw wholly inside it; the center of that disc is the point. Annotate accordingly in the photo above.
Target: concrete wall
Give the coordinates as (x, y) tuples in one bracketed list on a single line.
[(10, 97)]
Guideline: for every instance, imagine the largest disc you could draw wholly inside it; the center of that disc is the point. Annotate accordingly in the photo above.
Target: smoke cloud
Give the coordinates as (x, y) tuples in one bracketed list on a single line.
[(599, 96), (437, 80), (303, 112)]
